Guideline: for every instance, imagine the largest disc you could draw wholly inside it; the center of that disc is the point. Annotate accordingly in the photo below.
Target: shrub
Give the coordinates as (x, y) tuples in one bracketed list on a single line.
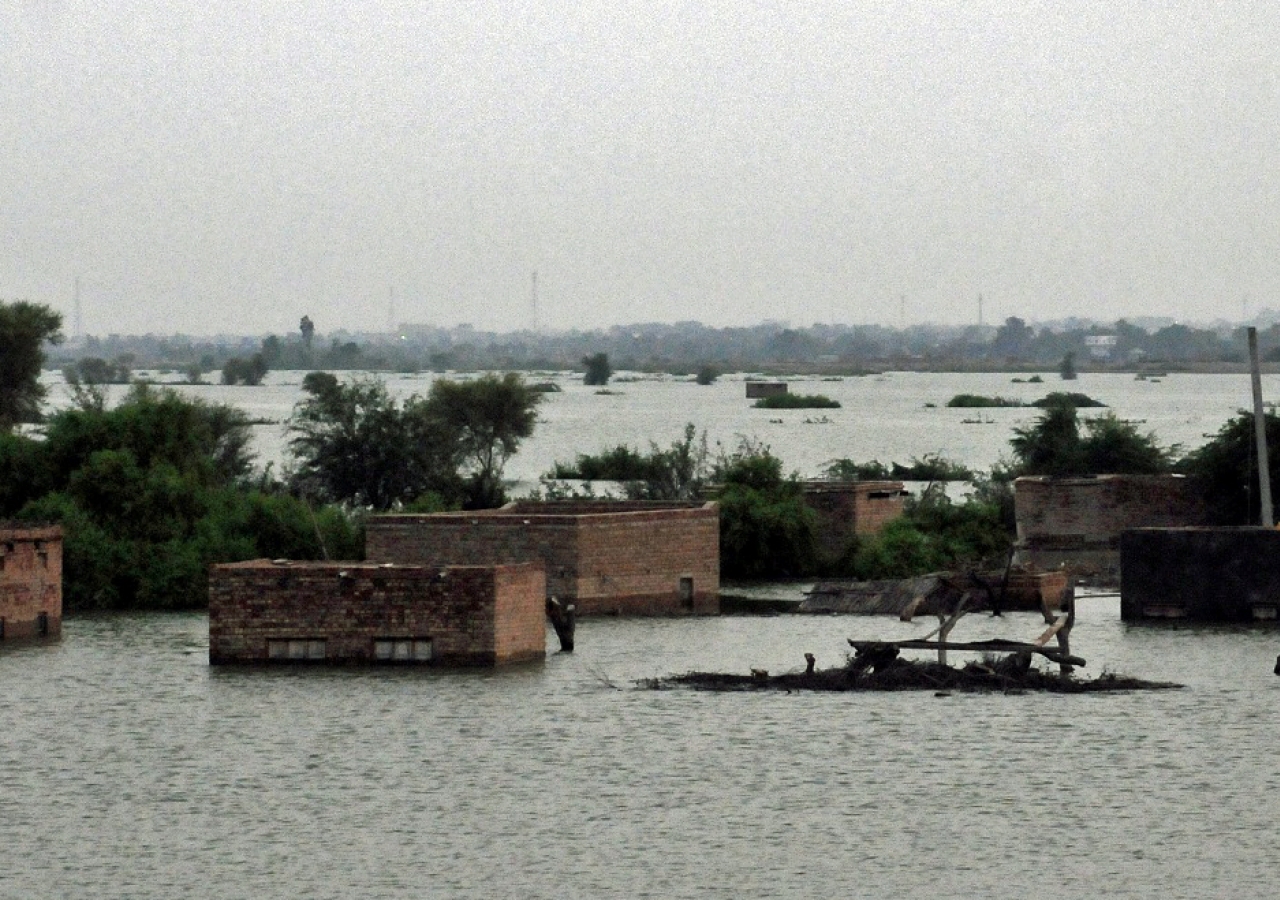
[(1068, 398), (977, 401), (796, 401)]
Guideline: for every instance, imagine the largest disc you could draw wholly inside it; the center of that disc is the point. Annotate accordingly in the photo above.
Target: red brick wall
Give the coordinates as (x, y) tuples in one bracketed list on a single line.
[(611, 557), (472, 615), (30, 580), (1096, 510), (1078, 521), (633, 565), (850, 508)]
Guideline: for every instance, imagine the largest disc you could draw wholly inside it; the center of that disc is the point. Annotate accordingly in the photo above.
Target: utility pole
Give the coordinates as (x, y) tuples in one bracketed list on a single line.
[(1260, 434), (534, 301)]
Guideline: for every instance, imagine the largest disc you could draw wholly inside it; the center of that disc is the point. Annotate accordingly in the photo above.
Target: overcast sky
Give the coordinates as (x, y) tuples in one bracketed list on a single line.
[(228, 167)]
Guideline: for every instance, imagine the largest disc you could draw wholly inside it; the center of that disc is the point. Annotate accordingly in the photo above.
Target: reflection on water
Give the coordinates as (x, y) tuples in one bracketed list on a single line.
[(133, 769)]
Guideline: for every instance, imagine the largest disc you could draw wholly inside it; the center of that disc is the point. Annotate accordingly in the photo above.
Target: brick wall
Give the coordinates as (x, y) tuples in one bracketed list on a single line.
[(605, 557), (30, 581), (1078, 521), (472, 615), (849, 508)]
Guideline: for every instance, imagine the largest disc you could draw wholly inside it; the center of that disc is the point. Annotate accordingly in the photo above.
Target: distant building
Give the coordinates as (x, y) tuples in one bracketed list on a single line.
[(355, 612), (1101, 346), (759, 390), (30, 581), (606, 557)]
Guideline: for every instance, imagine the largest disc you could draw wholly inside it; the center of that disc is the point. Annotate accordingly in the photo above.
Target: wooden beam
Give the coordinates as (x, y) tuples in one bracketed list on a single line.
[(994, 645)]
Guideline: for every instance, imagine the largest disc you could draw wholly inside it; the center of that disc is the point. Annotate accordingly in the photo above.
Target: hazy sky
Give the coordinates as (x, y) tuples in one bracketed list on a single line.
[(227, 167)]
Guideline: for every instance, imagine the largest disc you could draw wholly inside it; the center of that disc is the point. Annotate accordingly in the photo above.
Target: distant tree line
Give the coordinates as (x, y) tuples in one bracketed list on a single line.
[(695, 350)]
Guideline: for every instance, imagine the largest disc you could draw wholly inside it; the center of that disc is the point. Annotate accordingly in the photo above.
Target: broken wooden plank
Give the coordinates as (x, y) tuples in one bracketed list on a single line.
[(994, 645)]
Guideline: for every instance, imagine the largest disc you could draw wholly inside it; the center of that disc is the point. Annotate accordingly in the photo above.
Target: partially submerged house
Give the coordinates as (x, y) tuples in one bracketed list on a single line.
[(849, 509), (759, 390), (614, 557), (361, 612), (1077, 521), (30, 581), (1205, 574)]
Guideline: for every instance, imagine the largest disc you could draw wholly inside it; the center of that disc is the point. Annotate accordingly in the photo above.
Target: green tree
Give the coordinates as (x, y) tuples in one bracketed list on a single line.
[(1054, 446), (152, 492), (766, 529), (24, 329), (1051, 446), (598, 370), (1226, 470), (354, 443), (251, 371), (486, 419)]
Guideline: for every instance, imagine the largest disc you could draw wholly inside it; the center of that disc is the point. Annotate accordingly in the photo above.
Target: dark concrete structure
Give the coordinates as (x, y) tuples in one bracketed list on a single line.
[(1204, 574), (758, 390)]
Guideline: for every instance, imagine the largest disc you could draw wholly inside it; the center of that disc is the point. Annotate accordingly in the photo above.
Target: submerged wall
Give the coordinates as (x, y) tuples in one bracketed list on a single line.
[(1077, 522), (1207, 574), (615, 557), (265, 611)]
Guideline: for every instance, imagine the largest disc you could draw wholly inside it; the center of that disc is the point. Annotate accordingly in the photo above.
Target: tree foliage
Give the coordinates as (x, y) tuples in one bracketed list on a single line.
[(598, 370), (24, 329), (679, 472), (248, 371), (766, 529), (152, 492), (1226, 470), (486, 419), (354, 443), (1054, 446)]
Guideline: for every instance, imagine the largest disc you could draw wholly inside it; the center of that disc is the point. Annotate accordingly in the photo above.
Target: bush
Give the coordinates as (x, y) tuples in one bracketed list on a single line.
[(707, 375), (1226, 469), (932, 467), (935, 534), (977, 401), (597, 369), (1068, 398), (796, 401)]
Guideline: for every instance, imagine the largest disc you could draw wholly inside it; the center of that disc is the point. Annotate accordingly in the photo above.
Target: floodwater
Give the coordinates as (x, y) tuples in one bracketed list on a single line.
[(131, 769)]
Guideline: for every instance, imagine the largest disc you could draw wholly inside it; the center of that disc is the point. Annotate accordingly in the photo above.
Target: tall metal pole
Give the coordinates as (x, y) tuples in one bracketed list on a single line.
[(1260, 434)]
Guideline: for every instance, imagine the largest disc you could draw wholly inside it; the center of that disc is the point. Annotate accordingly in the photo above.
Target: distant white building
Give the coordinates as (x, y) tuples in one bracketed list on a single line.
[(1101, 346)]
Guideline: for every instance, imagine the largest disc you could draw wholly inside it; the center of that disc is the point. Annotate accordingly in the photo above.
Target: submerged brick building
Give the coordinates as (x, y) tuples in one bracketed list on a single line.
[(360, 612), (1077, 521), (849, 509), (30, 581), (618, 557)]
